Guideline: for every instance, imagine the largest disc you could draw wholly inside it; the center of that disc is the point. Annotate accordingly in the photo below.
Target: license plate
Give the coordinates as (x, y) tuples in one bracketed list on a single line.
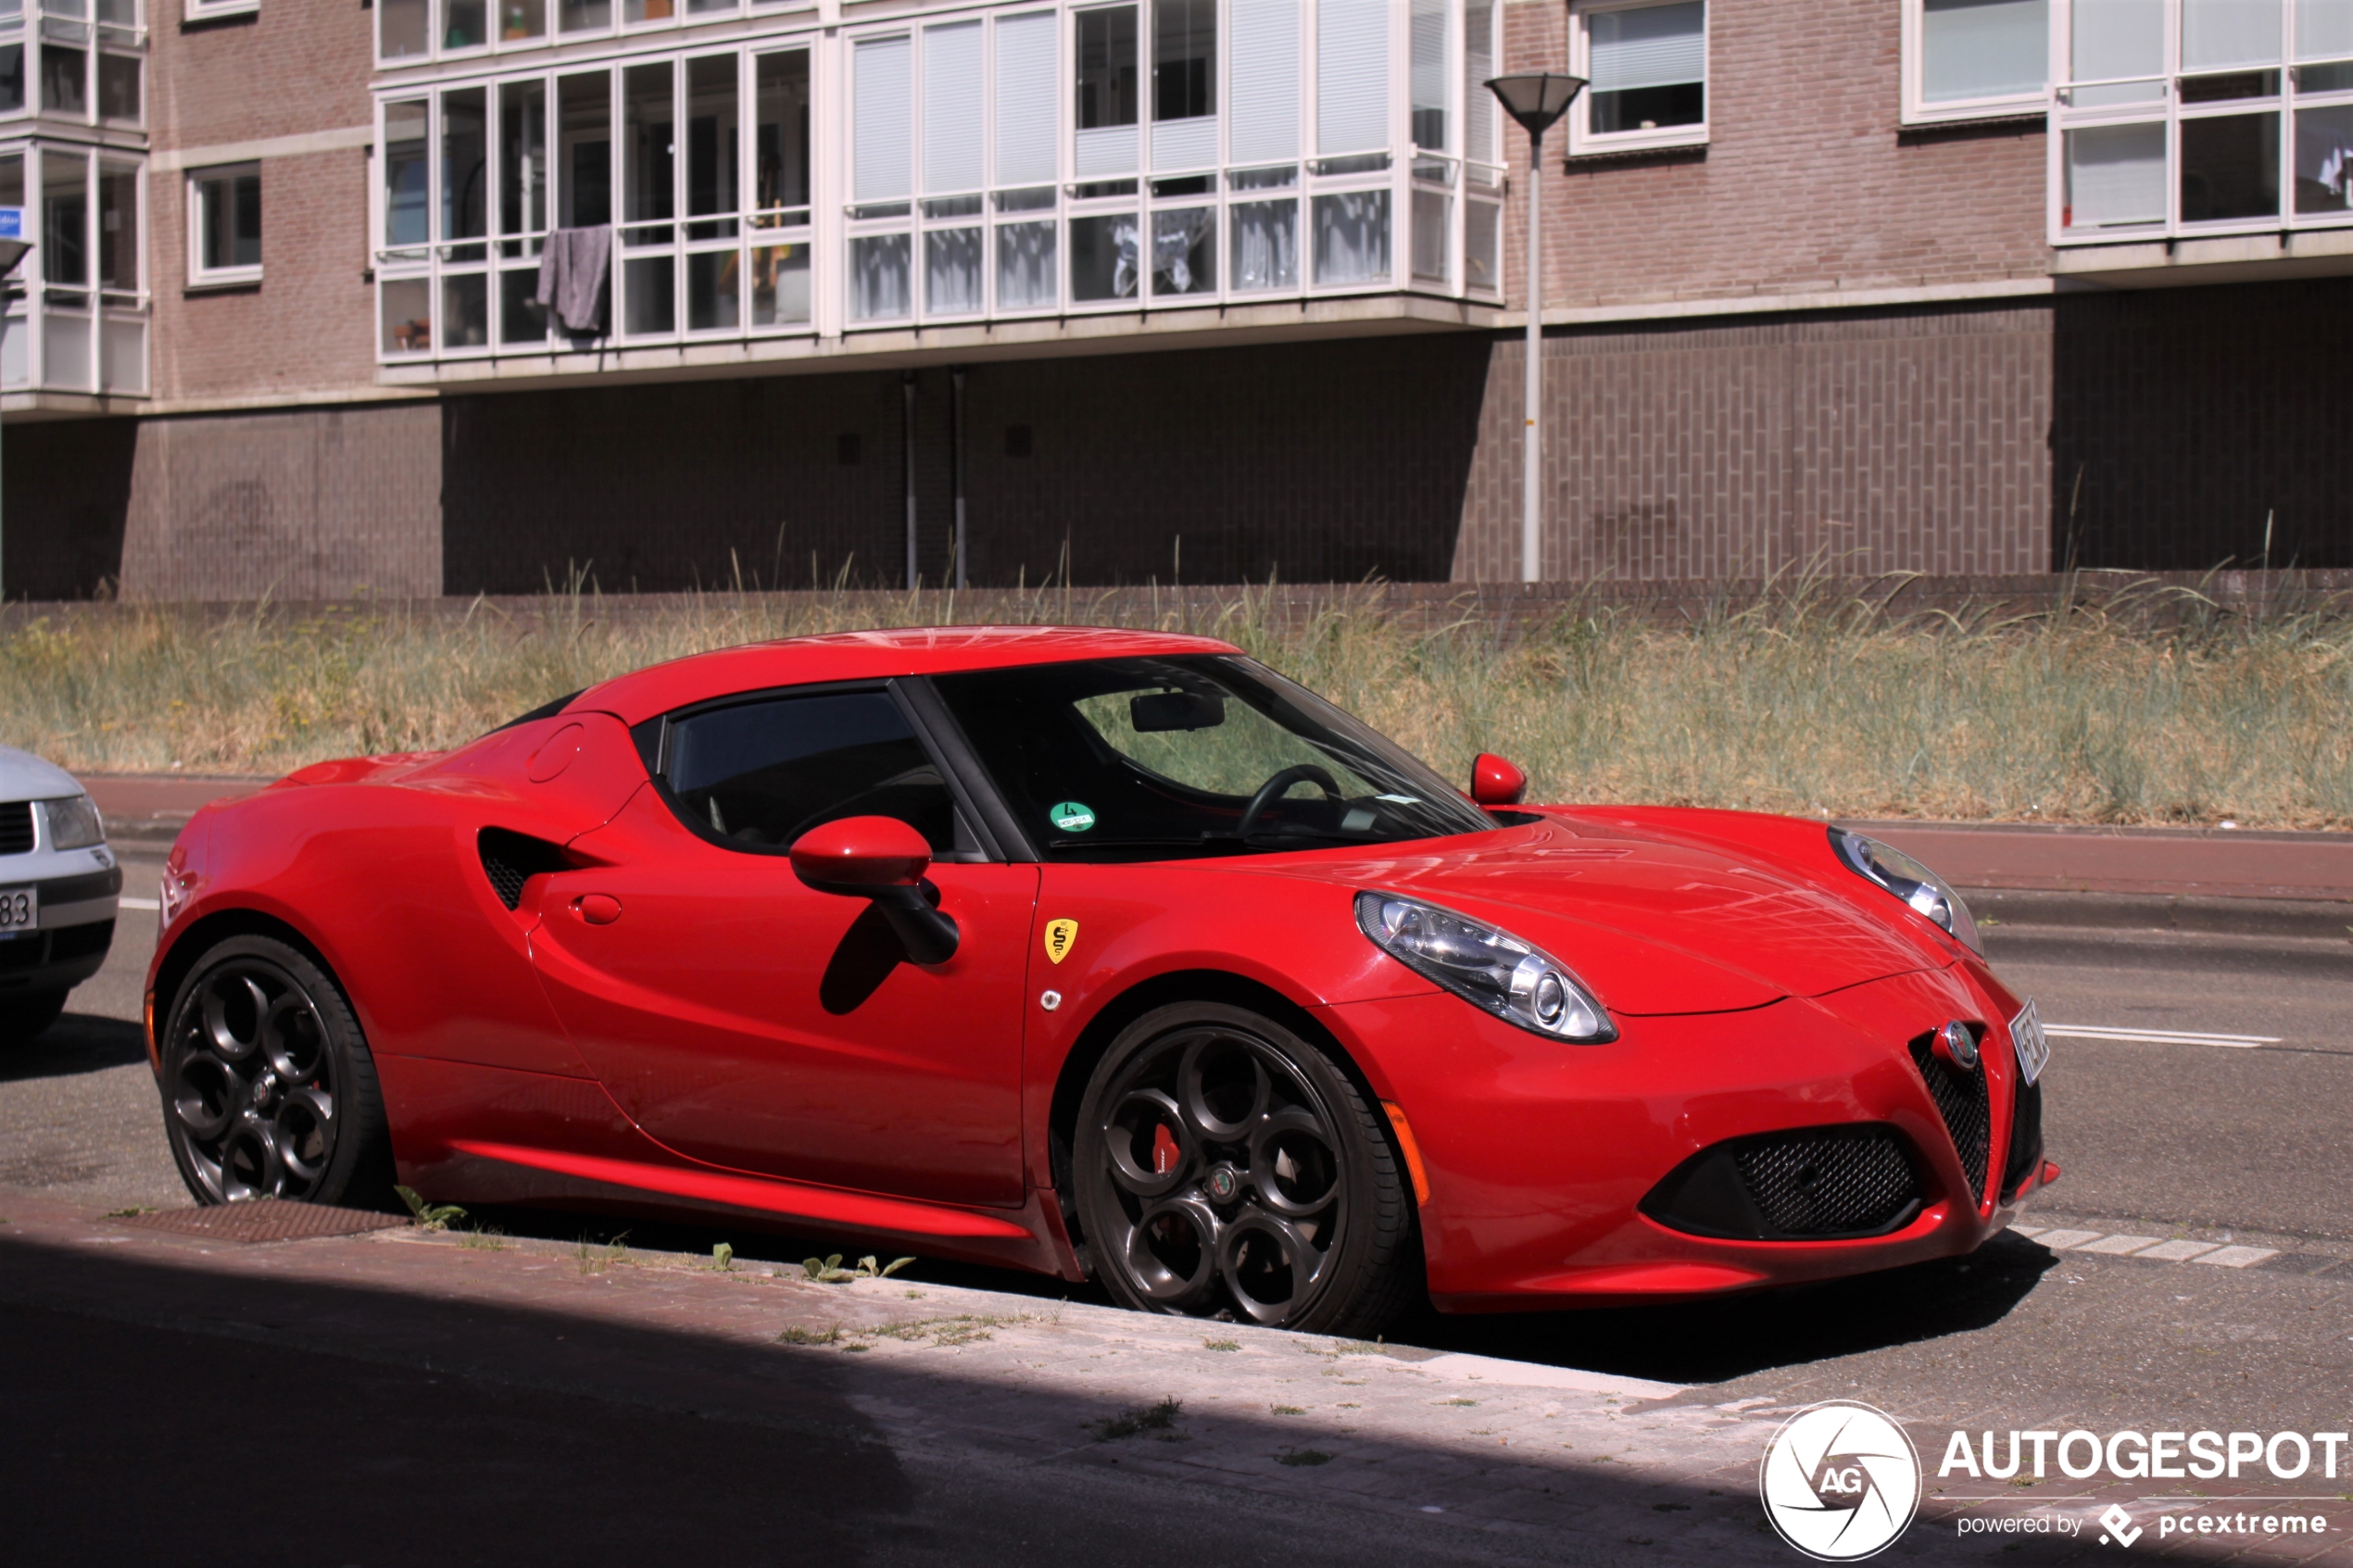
[(2033, 1046), (20, 909)]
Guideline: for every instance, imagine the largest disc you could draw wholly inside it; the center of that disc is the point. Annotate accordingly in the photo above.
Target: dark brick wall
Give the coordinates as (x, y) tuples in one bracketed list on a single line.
[(2183, 416), (68, 489), (1308, 462), (1865, 442)]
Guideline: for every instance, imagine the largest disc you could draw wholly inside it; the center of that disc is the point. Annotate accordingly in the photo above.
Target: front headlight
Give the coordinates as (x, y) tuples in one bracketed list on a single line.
[(1487, 967), (73, 824), (1908, 879)]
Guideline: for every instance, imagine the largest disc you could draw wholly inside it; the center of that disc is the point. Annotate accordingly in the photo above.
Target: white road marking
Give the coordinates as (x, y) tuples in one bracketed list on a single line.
[(2159, 1037), (2239, 1256), (2147, 1246), (147, 905)]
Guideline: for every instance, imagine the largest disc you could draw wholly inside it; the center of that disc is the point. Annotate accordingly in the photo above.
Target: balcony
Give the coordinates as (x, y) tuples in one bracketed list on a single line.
[(940, 188)]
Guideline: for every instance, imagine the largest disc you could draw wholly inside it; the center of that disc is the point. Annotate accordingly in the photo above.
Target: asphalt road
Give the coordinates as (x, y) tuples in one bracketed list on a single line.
[(2237, 1145)]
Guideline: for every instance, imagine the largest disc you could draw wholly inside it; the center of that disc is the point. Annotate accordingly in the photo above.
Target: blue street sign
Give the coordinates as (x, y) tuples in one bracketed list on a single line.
[(12, 224)]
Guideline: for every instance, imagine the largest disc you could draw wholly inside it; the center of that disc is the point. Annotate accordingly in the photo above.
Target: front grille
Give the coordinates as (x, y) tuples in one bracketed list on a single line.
[(1962, 1101), (16, 827), (21, 952), (1812, 1184), (511, 859)]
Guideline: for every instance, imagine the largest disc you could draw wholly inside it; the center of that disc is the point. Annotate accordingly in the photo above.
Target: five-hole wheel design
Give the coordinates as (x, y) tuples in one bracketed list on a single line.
[(1227, 1168)]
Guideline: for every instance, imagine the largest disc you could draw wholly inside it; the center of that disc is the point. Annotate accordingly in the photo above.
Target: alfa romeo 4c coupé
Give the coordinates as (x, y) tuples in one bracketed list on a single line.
[(1106, 954)]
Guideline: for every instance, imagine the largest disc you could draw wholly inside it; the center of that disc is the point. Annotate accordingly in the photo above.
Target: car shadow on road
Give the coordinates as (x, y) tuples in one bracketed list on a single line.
[(79, 1042), (1714, 1341)]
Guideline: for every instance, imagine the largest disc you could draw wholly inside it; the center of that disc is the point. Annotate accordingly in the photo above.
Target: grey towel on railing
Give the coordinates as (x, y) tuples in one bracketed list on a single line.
[(574, 265)]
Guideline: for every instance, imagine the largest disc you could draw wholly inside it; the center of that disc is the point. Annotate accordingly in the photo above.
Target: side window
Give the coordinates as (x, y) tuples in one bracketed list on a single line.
[(759, 775)]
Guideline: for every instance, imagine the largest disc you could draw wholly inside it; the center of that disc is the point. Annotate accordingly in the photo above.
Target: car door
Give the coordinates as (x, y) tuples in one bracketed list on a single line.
[(744, 1020)]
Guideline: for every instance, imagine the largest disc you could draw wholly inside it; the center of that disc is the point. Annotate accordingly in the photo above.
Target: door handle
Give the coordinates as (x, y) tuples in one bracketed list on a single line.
[(597, 909)]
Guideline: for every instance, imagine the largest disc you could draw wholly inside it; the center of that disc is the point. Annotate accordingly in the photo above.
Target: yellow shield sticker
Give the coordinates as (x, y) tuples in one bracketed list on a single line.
[(1060, 936)]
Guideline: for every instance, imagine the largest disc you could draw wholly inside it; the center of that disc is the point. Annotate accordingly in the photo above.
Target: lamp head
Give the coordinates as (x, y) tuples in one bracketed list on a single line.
[(1536, 99)]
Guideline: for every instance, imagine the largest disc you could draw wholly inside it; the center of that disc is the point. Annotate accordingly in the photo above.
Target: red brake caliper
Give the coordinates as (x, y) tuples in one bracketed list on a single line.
[(1164, 1151)]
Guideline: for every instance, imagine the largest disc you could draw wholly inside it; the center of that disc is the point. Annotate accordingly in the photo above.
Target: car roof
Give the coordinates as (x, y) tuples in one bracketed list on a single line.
[(869, 656)]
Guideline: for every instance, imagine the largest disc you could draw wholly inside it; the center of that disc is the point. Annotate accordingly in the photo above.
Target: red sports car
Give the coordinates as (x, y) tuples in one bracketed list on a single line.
[(1106, 954)]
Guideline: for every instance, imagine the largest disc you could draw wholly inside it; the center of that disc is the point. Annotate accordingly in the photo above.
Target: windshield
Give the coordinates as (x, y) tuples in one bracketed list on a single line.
[(1157, 759)]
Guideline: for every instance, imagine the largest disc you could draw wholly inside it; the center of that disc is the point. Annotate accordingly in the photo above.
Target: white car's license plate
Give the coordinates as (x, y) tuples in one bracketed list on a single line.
[(2033, 1045), (20, 909)]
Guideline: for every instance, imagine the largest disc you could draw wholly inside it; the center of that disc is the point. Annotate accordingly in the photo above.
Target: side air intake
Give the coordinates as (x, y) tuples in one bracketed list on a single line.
[(1960, 1097), (511, 859)]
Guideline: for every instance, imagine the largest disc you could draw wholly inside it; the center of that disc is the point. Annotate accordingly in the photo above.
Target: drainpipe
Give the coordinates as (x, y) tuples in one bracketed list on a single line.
[(956, 381), (907, 402)]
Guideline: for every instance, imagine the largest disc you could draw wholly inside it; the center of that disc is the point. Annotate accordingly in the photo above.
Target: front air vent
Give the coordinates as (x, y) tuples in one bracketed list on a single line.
[(2026, 1139), (1811, 1183), (511, 859), (16, 827), (1960, 1099)]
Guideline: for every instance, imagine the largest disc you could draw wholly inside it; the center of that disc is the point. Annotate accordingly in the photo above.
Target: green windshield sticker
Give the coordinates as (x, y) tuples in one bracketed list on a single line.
[(1071, 817)]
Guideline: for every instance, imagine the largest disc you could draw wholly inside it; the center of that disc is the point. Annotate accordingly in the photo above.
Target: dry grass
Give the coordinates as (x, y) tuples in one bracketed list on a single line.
[(2138, 712)]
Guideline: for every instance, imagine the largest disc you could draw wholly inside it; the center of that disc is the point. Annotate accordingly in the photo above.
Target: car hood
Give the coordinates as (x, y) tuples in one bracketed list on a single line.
[(24, 776), (1653, 926)]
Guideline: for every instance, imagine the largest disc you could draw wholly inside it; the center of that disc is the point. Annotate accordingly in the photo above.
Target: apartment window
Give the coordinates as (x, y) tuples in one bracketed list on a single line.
[(1647, 69), (198, 10), (2203, 117), (1974, 59), (224, 224), (76, 314)]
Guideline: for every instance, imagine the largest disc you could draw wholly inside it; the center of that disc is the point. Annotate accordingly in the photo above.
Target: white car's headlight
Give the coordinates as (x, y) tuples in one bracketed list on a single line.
[(1485, 966), (73, 824), (1910, 881)]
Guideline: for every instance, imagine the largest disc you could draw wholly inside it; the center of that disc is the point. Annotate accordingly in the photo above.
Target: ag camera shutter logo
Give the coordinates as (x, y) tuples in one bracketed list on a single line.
[(1841, 1481)]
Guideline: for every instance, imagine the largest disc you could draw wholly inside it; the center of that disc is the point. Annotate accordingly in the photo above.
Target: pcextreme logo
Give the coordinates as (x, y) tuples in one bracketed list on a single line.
[(1841, 1481)]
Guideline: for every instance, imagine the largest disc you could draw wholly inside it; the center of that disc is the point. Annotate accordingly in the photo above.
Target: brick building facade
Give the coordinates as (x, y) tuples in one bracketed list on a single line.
[(1181, 288)]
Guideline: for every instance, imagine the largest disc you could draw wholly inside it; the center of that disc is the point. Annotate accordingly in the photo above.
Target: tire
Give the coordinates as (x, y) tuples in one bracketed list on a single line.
[(24, 1019), (268, 1087), (1227, 1168)]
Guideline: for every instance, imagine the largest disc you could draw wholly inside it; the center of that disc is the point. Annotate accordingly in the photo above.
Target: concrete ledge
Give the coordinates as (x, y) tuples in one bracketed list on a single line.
[(2308, 917)]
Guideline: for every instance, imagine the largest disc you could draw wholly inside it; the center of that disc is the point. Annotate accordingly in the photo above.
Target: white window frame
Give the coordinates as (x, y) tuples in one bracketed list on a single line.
[(204, 10), (199, 275), (47, 313), (1583, 142), (2166, 109), (1919, 111)]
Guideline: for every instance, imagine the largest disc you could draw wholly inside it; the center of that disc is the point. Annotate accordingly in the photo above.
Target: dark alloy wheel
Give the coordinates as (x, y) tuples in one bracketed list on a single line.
[(1227, 1168), (268, 1088)]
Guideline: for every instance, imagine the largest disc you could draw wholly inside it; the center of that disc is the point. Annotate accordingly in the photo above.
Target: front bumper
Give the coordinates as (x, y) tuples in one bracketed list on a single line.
[(1540, 1154), (77, 928)]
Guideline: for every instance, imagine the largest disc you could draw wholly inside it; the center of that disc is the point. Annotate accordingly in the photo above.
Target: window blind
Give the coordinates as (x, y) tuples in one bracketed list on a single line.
[(1352, 76), (2219, 35), (1983, 48), (2323, 29), (1648, 46), (1262, 108), (2117, 38), (882, 118), (951, 107), (1028, 111), (1479, 66), (1427, 71)]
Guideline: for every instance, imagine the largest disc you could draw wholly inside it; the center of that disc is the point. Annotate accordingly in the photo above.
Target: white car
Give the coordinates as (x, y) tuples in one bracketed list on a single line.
[(58, 887)]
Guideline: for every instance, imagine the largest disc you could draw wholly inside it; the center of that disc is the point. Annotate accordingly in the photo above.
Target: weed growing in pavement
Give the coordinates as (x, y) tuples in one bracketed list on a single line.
[(1303, 1456), (1287, 1409), (491, 1239), (1462, 1401), (722, 1256), (595, 1259), (1160, 1418), (2134, 702), (133, 1210), (1221, 1344), (828, 1271), (429, 1216), (798, 1336)]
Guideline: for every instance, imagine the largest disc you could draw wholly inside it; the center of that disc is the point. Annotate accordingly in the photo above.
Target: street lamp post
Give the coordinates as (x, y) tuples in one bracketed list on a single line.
[(13, 249), (1536, 101)]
